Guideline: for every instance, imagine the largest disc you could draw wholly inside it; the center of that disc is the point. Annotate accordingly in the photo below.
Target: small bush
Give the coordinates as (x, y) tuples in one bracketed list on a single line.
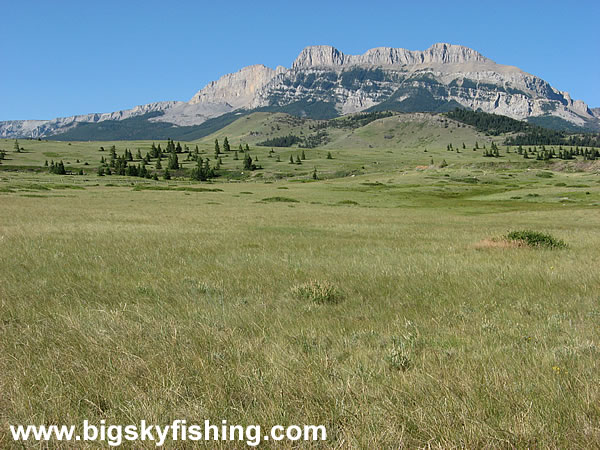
[(399, 359), (544, 174), (317, 291), (536, 239), (403, 351)]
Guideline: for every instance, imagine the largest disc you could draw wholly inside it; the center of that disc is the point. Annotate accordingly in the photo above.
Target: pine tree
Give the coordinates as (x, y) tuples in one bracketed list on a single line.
[(217, 148), (248, 162), (226, 146), (16, 146), (329, 156), (303, 156), (235, 156), (298, 161), (314, 174), (100, 171), (247, 148), (291, 159), (173, 162), (158, 165), (167, 175)]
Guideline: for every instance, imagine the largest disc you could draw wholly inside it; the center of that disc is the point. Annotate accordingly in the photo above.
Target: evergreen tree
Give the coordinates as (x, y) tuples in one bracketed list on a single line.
[(217, 148), (298, 161), (100, 171), (314, 174), (226, 146), (248, 162), (235, 155), (329, 156), (16, 146), (247, 148), (303, 156), (158, 165), (167, 175), (173, 162), (291, 159)]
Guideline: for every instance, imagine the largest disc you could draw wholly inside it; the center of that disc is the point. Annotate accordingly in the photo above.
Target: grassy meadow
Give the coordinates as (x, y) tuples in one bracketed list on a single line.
[(126, 299)]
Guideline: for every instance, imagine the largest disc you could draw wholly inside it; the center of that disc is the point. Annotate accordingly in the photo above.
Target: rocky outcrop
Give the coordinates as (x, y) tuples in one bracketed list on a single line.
[(440, 77), (236, 89), (327, 56)]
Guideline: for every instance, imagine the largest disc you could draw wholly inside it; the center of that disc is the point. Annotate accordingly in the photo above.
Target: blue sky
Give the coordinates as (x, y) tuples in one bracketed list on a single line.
[(74, 57)]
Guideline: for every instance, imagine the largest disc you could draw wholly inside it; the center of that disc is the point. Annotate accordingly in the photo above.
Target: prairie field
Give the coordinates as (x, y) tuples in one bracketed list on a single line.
[(383, 305)]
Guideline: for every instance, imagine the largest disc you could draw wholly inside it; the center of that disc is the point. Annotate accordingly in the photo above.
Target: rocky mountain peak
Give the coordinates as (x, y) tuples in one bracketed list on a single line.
[(236, 89), (319, 56), (440, 53)]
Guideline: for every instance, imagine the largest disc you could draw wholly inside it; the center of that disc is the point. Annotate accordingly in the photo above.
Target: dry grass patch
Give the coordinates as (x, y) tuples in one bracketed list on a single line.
[(499, 243), (317, 291)]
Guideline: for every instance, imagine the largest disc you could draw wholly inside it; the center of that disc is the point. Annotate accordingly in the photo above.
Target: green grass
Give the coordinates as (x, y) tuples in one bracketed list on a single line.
[(364, 305)]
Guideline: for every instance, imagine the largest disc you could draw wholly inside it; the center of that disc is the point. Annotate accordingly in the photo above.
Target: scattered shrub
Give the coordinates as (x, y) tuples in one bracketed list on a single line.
[(536, 239), (403, 351), (544, 174), (280, 199), (318, 292)]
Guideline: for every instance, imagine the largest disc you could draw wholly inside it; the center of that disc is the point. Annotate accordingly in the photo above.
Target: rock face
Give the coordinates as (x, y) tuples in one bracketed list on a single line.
[(326, 82), (327, 56), (235, 89)]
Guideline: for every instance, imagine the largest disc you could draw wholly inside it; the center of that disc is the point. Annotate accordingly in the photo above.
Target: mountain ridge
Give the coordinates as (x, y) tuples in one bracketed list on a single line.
[(322, 78)]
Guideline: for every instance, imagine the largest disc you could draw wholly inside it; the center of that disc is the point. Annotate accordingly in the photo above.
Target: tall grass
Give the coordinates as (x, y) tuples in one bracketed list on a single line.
[(156, 305)]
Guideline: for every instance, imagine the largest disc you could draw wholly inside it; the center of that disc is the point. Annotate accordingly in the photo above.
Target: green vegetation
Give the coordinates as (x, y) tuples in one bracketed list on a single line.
[(369, 298), (489, 123), (536, 239), (281, 141)]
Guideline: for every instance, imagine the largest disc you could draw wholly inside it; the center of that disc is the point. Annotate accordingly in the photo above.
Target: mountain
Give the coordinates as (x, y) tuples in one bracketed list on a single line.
[(325, 83)]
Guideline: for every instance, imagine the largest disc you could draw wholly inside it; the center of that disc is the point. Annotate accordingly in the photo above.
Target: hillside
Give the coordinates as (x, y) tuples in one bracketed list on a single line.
[(416, 130)]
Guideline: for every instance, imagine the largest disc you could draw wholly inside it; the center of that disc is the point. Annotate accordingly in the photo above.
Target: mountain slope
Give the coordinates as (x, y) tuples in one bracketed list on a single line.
[(324, 83)]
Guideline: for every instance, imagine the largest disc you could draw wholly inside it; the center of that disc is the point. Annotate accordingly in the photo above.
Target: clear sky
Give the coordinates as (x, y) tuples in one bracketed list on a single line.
[(67, 57)]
